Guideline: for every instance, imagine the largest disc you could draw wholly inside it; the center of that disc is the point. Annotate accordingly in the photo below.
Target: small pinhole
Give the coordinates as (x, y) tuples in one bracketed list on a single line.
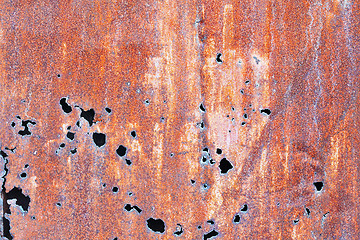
[(128, 161), (218, 58), (23, 175), (133, 134), (318, 186), (219, 151), (236, 218), (211, 222), (265, 111), (58, 204), (70, 135), (202, 108), (115, 189), (108, 110), (244, 208), (128, 207)]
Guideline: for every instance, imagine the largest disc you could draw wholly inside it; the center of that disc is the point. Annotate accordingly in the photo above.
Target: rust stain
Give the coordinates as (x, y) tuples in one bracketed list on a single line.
[(179, 119)]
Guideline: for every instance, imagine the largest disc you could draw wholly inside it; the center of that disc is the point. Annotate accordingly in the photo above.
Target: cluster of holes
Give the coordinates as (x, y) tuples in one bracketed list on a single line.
[(130, 208), (237, 217)]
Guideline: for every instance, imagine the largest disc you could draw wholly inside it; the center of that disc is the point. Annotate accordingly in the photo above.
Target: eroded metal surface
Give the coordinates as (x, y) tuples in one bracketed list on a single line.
[(180, 119)]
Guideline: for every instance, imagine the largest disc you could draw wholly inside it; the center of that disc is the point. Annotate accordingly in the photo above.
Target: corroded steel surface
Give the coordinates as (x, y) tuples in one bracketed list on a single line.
[(180, 119)]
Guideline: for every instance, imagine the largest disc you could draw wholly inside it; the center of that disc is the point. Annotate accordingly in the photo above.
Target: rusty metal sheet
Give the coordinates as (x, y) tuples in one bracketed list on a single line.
[(180, 119)]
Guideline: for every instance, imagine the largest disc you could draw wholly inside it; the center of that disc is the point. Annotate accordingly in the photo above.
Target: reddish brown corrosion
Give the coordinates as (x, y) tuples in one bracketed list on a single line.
[(153, 63)]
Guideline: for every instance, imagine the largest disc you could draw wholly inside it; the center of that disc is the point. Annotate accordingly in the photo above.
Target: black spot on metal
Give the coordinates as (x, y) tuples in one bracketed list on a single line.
[(133, 134), (210, 234), (128, 207), (73, 151), (318, 186), (128, 161), (202, 108), (244, 208), (139, 210), (26, 130), (70, 135), (99, 139), (156, 225), (211, 222), (108, 110), (21, 200), (179, 230), (88, 115), (265, 111), (65, 106), (218, 58), (6, 228), (121, 151), (225, 165), (236, 218)]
